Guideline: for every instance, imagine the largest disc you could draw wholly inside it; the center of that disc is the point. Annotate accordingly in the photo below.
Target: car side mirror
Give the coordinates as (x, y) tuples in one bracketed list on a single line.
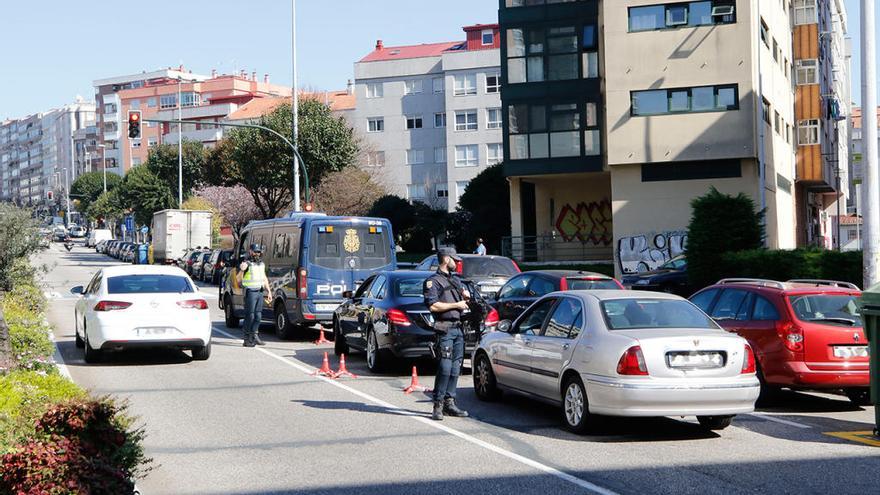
[(78, 290), (505, 326), (347, 294)]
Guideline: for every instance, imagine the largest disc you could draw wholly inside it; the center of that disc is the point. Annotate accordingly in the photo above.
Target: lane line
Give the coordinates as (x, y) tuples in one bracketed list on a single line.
[(436, 425), (863, 437), (780, 421), (59, 360)]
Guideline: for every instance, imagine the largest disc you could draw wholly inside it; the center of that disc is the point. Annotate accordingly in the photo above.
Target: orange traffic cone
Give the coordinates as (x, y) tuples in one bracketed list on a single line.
[(414, 384), (321, 339), (343, 371), (325, 368)]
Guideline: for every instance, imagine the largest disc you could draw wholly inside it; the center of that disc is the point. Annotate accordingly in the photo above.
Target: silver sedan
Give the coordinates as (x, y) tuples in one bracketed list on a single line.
[(619, 353)]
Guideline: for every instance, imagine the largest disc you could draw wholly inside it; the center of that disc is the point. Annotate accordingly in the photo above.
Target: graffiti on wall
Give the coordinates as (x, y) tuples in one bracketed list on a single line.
[(645, 252), (587, 222)]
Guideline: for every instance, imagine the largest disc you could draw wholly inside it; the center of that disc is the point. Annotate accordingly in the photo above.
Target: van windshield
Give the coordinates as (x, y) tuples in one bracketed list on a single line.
[(356, 247)]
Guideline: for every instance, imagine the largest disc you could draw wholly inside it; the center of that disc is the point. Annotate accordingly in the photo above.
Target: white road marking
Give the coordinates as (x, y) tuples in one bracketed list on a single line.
[(436, 425), (59, 360), (781, 421)]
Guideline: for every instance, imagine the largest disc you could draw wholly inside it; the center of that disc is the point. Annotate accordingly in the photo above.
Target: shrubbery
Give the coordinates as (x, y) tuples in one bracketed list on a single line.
[(791, 264), (24, 397)]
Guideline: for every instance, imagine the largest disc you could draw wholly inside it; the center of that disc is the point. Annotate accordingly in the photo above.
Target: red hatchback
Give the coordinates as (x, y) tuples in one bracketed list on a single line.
[(806, 334)]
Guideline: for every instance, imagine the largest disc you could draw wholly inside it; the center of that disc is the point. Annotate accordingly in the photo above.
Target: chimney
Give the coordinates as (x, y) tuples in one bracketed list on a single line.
[(350, 88), (379, 45), (213, 73), (266, 78), (254, 76)]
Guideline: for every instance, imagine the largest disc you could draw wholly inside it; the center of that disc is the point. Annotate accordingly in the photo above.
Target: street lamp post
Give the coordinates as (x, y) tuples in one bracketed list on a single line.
[(104, 163), (179, 144), (294, 106)]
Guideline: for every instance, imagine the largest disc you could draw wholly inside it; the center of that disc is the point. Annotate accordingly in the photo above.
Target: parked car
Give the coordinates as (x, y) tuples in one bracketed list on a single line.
[(191, 260), (199, 265), (619, 353), (522, 290), (213, 268), (387, 318), (670, 277), (59, 233), (77, 232), (489, 273), (143, 306), (99, 247), (807, 334)]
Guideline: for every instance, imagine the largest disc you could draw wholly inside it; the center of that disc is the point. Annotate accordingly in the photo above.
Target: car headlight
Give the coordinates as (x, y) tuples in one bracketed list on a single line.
[(642, 281)]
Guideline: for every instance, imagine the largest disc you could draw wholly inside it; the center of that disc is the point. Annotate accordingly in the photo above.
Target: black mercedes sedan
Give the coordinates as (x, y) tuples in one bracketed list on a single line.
[(387, 319), (522, 290)]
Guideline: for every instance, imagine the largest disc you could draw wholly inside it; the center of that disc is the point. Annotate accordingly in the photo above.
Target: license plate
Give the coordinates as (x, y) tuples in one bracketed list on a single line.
[(489, 289), (150, 331), (326, 308), (695, 359), (850, 351)]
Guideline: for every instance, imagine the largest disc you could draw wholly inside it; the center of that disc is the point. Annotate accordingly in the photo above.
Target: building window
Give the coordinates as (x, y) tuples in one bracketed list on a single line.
[(851, 235), (776, 124), (807, 71), (493, 118), (415, 157), (493, 83), (460, 188), (110, 127), (376, 159), (465, 85), (135, 161), (440, 120), (689, 14), (413, 121), (442, 190), (437, 82), (539, 131), (376, 124), (152, 141), (765, 110), (109, 108), (412, 87), (488, 37), (494, 153), (590, 64), (808, 132), (151, 102), (416, 192), (805, 12), (776, 51), (765, 34), (685, 100), (168, 101), (466, 120), (440, 154), (467, 155), (375, 90), (556, 53), (135, 105), (190, 99), (135, 143)]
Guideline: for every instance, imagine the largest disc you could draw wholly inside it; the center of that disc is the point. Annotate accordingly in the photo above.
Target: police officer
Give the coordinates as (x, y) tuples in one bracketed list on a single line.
[(252, 278), (446, 299)]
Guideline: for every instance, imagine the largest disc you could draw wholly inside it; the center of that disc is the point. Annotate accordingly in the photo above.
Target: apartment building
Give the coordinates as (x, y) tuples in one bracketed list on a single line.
[(618, 114), (430, 114)]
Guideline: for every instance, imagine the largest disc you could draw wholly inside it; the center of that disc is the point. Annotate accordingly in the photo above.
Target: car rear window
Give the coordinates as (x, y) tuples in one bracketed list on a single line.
[(591, 283), (488, 267), (342, 247), (148, 284), (646, 313), (830, 309), (410, 287)]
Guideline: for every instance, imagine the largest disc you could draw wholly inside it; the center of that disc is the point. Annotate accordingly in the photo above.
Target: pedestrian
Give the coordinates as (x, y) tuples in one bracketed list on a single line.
[(446, 299), (251, 276), (481, 248)]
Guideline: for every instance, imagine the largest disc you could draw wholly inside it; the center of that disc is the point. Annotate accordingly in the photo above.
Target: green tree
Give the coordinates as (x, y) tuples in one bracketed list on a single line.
[(19, 239), (89, 186), (487, 201), (146, 193), (163, 162), (397, 210), (720, 224), (108, 207)]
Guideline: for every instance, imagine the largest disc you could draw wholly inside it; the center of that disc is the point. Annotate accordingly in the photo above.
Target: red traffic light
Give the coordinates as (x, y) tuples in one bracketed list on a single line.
[(308, 207), (134, 124), (49, 195), (135, 116)]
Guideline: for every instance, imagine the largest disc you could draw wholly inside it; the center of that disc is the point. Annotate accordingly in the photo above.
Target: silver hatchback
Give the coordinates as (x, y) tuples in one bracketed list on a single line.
[(619, 353)]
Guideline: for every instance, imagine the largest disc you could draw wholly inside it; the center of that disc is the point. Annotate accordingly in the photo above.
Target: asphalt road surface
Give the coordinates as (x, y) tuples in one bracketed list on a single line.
[(254, 421)]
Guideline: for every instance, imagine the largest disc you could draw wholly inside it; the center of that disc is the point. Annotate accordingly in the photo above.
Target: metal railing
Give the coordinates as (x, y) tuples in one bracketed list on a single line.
[(549, 248)]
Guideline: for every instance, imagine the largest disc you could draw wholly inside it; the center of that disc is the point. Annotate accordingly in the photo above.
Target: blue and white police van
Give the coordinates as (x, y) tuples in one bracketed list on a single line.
[(311, 260)]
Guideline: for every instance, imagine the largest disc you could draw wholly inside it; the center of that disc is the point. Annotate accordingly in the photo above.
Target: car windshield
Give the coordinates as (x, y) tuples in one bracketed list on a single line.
[(350, 246), (410, 287), (591, 283), (646, 313), (674, 264), (833, 309), (148, 284), (480, 266)]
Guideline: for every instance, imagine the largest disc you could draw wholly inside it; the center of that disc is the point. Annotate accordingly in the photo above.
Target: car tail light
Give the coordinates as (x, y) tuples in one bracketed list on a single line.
[(111, 305), (632, 362), (398, 317), (193, 304), (792, 336), (492, 318), (303, 283), (516, 266), (748, 361)]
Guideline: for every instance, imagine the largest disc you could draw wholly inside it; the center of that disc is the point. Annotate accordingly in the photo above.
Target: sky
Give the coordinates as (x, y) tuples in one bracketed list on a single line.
[(54, 49)]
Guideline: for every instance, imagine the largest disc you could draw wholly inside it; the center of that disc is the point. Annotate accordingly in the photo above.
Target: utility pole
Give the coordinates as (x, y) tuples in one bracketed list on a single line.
[(869, 138), (294, 106), (179, 145), (104, 163)]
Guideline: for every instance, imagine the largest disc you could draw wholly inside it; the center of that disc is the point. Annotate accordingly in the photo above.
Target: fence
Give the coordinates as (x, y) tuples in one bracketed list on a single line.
[(549, 248)]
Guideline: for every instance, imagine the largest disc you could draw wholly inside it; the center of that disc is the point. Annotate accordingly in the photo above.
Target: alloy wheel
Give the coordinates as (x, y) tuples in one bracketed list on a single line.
[(574, 404), (371, 349), (483, 375)]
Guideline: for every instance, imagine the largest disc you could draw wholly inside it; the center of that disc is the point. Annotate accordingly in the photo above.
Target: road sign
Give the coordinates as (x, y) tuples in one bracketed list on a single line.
[(129, 224)]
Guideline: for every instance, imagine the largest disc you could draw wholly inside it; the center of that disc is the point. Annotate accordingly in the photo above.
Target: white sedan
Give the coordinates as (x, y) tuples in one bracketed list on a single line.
[(126, 307), (619, 353)]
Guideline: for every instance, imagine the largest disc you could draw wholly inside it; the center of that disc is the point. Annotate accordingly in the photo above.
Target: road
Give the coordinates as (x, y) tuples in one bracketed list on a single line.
[(254, 421)]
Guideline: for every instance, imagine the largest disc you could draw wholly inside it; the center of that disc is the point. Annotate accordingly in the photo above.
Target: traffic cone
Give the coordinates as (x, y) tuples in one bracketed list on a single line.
[(325, 368), (343, 371), (321, 339), (414, 384)]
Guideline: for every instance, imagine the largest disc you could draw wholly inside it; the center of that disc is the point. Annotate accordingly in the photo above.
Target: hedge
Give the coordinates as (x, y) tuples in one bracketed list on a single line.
[(791, 264)]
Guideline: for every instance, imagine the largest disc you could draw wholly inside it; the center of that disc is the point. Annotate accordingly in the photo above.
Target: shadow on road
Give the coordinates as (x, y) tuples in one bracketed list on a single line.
[(788, 401), (358, 407)]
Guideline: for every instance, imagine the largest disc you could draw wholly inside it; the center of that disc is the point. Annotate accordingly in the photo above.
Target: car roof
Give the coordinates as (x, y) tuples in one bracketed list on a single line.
[(121, 270), (791, 287), (566, 273), (612, 294)]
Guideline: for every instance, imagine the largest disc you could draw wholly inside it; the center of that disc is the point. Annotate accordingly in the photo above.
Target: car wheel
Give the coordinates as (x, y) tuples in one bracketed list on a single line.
[(768, 392), (232, 321), (90, 355), (202, 353), (859, 396), (485, 384), (715, 423), (80, 343), (340, 346), (575, 408), (283, 326), (377, 359)]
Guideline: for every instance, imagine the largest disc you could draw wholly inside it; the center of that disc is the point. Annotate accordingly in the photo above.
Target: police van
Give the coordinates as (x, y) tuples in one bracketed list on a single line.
[(311, 260)]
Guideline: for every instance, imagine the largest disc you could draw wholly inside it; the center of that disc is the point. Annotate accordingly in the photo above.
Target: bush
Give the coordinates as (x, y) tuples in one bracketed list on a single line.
[(29, 339), (791, 264), (19, 239)]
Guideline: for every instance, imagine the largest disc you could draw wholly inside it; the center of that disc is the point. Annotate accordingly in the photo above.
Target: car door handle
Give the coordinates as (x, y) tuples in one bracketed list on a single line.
[(565, 346)]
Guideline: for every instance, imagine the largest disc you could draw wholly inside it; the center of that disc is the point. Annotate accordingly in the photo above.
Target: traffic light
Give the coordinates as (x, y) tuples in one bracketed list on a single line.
[(308, 208), (49, 195), (134, 124)]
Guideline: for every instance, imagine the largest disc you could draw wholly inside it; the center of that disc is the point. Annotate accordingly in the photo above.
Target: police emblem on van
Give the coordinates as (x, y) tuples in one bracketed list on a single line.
[(351, 243)]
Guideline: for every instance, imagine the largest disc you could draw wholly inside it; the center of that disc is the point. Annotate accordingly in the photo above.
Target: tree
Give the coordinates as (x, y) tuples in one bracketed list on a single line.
[(487, 199), (350, 191), (89, 186), (720, 223), (235, 204), (109, 206), (163, 162), (397, 210), (262, 163), (197, 203), (19, 239), (145, 193)]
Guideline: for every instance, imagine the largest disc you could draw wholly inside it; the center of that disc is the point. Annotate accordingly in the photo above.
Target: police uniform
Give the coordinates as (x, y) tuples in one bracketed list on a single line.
[(446, 288), (253, 281)]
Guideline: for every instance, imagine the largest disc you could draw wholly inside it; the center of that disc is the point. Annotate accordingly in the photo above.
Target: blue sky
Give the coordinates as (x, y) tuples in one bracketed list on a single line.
[(54, 49)]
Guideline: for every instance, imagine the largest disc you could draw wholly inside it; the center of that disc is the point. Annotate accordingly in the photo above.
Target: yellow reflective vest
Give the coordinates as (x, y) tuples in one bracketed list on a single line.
[(254, 277)]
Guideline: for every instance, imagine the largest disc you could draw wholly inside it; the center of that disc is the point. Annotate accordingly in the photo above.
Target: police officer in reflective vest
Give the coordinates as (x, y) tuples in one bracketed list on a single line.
[(446, 299), (252, 278)]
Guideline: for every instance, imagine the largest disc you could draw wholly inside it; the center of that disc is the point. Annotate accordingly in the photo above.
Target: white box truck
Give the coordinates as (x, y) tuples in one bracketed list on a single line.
[(175, 231)]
